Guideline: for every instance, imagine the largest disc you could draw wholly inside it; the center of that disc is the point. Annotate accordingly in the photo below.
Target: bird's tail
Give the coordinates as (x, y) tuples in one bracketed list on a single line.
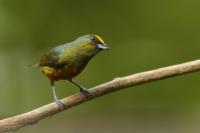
[(36, 65)]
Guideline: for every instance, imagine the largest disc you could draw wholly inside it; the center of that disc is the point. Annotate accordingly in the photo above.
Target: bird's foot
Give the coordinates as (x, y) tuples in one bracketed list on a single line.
[(85, 92), (60, 104)]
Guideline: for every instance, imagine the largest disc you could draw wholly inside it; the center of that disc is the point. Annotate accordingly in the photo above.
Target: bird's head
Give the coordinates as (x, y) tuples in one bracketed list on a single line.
[(98, 42), (90, 45), (93, 41)]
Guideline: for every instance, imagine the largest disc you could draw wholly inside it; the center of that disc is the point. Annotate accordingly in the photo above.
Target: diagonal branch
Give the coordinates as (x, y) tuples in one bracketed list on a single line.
[(19, 121)]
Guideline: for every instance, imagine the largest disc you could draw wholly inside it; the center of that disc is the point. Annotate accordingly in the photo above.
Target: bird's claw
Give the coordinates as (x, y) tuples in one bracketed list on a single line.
[(60, 104), (86, 93)]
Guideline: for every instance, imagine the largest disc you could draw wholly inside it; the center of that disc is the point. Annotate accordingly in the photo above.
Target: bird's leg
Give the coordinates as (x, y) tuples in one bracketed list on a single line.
[(83, 90), (56, 99)]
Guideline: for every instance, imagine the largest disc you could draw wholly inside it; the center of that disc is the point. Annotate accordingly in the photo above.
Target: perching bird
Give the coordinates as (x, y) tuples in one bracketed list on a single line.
[(66, 61)]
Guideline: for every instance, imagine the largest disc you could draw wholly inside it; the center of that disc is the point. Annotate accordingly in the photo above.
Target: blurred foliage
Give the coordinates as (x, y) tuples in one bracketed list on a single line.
[(143, 35)]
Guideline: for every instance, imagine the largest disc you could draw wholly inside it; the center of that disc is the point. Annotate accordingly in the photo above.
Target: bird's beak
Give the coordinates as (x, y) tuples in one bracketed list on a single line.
[(102, 46)]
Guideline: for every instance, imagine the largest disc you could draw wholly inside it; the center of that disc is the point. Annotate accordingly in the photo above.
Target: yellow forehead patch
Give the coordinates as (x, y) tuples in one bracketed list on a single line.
[(100, 39)]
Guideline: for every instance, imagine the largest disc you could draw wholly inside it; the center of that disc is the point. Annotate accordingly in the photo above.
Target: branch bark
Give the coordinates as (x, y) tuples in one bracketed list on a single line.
[(19, 121)]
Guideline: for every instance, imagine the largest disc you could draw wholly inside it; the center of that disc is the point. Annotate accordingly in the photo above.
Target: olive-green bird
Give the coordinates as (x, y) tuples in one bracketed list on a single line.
[(66, 61)]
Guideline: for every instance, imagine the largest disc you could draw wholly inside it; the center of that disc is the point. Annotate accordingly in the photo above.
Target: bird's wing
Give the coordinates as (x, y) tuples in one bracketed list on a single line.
[(49, 59), (56, 57)]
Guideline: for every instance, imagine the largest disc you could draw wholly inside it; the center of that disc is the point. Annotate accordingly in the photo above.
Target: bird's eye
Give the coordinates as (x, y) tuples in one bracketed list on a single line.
[(95, 40)]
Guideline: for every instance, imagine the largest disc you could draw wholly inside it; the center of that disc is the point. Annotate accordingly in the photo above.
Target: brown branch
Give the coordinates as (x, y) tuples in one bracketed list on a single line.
[(19, 121)]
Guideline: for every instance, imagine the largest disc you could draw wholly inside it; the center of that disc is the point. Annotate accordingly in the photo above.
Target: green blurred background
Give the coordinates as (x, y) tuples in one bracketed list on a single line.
[(142, 34)]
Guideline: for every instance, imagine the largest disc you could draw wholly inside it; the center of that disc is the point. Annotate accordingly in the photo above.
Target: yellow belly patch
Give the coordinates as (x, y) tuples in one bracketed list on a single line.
[(57, 74), (48, 70)]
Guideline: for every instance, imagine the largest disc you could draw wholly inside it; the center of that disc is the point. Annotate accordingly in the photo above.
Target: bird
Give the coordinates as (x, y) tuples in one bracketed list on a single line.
[(66, 61)]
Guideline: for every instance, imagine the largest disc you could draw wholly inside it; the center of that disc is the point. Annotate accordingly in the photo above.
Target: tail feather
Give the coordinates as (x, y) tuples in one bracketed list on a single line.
[(36, 65)]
